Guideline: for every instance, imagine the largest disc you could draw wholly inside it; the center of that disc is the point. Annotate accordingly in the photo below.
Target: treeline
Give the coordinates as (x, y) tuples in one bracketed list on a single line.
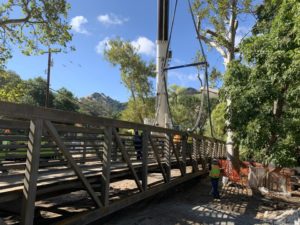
[(33, 92), (185, 103)]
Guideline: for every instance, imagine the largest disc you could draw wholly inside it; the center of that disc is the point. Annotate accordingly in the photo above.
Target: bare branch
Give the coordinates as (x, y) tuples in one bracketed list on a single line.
[(224, 40), (15, 21), (213, 44)]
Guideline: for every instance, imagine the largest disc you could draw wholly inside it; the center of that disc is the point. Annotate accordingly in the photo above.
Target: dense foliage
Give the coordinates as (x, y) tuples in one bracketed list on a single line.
[(266, 92)]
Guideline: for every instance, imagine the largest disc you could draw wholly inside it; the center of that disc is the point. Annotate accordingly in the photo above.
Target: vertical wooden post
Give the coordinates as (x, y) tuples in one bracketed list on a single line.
[(204, 144), (218, 150), (31, 171), (194, 155), (167, 154), (105, 179), (184, 149), (145, 160)]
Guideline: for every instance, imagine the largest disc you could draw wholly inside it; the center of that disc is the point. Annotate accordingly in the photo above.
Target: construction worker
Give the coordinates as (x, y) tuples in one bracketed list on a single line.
[(214, 177), (138, 144)]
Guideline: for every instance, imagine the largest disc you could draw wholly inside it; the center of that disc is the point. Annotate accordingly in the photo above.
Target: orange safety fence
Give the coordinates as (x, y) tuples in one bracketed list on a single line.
[(234, 175)]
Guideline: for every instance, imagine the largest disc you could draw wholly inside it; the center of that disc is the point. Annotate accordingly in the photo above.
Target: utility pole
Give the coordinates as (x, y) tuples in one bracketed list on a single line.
[(48, 79), (163, 116), (50, 51)]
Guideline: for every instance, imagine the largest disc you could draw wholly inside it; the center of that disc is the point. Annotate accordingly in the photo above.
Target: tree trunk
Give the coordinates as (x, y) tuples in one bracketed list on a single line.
[(138, 112)]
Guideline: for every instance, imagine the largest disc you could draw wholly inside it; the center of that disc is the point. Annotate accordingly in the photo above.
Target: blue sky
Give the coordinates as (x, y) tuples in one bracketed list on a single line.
[(85, 70)]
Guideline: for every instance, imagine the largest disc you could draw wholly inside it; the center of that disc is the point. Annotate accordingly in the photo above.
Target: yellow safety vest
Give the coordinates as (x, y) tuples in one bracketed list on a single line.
[(215, 171), (190, 140)]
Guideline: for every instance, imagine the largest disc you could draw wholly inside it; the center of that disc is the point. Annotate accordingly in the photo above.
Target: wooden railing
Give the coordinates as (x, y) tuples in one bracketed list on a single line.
[(59, 152)]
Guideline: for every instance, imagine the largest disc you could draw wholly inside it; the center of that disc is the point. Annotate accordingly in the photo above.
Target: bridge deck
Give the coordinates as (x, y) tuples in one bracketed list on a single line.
[(47, 153)]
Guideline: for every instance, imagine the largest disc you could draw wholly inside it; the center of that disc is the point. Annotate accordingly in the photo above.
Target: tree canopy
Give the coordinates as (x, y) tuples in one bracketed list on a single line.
[(266, 91), (32, 24), (135, 72)]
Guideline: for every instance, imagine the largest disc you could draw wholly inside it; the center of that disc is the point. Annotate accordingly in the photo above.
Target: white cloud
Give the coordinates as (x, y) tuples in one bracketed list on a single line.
[(77, 24), (111, 19), (144, 46), (102, 45), (184, 79), (241, 33)]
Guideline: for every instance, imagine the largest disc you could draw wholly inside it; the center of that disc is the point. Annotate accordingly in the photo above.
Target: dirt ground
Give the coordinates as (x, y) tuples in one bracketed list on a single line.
[(191, 204)]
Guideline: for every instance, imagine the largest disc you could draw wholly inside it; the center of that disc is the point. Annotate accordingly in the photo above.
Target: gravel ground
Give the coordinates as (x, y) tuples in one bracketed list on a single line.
[(191, 204)]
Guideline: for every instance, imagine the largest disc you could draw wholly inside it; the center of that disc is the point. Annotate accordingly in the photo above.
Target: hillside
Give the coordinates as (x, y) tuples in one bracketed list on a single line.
[(98, 104)]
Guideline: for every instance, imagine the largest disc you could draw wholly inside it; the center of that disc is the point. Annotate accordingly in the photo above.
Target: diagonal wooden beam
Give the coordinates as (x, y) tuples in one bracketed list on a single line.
[(167, 157), (53, 132), (31, 171), (176, 153), (157, 157), (127, 159)]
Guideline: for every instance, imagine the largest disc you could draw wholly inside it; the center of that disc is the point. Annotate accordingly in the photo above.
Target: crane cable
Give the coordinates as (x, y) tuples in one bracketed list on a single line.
[(206, 73)]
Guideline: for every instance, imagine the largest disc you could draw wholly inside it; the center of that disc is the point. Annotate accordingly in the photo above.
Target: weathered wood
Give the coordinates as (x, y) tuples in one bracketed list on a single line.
[(194, 156), (73, 164), (106, 167), (176, 152), (157, 157), (145, 136), (31, 172), (127, 159), (28, 112), (89, 217), (167, 157), (184, 152)]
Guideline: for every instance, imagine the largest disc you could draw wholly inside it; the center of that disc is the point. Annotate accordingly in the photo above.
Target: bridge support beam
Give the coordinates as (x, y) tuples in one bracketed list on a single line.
[(31, 171), (105, 179)]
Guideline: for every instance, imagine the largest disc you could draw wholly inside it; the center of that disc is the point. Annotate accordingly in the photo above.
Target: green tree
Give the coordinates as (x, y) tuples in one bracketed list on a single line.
[(36, 92), (218, 122), (12, 87), (135, 72), (219, 22), (266, 97), (65, 100), (185, 104), (32, 24), (138, 107)]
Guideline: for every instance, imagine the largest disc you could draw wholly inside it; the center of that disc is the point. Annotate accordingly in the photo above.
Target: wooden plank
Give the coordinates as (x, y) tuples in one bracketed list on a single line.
[(28, 112), (73, 164), (93, 215), (14, 124), (145, 136), (127, 160), (31, 172), (106, 167)]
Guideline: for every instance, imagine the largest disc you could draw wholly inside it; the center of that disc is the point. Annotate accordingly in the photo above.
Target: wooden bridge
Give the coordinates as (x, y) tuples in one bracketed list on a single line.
[(49, 154)]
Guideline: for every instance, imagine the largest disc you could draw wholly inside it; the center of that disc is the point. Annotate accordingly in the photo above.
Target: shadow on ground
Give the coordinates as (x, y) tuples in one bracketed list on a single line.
[(191, 204)]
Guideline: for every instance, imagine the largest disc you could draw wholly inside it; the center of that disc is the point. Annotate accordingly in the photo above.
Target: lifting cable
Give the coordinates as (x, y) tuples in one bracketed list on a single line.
[(206, 75), (206, 72)]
